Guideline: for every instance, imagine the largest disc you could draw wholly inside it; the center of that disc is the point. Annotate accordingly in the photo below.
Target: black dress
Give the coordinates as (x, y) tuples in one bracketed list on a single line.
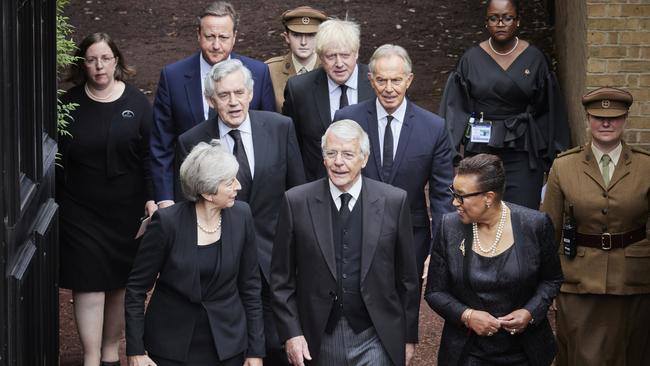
[(524, 105), (102, 186)]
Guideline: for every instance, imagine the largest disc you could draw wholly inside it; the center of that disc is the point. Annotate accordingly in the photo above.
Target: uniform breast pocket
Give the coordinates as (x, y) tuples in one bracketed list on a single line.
[(637, 265)]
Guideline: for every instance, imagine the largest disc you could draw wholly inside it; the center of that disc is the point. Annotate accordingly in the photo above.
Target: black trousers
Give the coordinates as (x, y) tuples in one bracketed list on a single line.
[(275, 354)]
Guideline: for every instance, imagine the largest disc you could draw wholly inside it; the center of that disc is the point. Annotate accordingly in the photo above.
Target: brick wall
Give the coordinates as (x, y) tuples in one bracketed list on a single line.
[(605, 42)]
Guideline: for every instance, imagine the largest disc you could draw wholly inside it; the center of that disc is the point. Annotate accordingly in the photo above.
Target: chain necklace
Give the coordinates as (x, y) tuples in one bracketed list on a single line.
[(503, 53), (97, 98), (493, 248), (209, 231)]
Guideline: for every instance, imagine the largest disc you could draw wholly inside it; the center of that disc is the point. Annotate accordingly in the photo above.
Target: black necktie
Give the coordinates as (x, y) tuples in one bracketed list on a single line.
[(244, 173), (387, 164), (344, 96), (344, 211)]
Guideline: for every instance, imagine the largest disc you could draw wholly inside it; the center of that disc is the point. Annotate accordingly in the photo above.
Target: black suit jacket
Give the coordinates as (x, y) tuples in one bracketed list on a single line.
[(540, 276), (169, 252), (278, 167), (303, 268), (424, 155), (307, 102)]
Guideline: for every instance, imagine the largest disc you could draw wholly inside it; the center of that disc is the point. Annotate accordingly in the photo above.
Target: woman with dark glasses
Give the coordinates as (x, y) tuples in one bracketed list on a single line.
[(502, 99), (493, 274)]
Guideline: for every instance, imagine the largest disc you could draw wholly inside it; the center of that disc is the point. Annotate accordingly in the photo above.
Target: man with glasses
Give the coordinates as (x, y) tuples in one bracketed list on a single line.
[(410, 147), (311, 99), (179, 103), (343, 279)]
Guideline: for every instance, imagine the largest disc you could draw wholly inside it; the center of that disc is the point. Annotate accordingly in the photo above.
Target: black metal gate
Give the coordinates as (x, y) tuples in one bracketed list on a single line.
[(28, 254)]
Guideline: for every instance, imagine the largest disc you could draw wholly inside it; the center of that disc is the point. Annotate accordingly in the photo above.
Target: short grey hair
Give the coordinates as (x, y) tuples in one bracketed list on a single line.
[(389, 50), (220, 9), (222, 69), (337, 33), (205, 168), (348, 130)]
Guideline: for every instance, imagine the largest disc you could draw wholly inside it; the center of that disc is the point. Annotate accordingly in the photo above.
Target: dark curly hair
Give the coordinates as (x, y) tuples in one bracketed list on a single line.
[(488, 170)]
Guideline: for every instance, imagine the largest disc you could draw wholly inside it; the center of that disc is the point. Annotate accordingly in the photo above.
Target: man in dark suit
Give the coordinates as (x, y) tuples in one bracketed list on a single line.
[(312, 98), (409, 151), (343, 278), (266, 149), (179, 103)]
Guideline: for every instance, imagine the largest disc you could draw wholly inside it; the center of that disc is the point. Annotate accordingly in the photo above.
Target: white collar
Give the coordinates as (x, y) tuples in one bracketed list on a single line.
[(398, 115), (244, 127), (614, 154), (351, 83), (355, 190)]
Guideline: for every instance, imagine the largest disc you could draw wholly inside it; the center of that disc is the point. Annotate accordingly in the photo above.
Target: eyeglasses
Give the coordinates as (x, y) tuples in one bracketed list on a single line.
[(495, 19), (461, 197), (332, 154), (106, 60)]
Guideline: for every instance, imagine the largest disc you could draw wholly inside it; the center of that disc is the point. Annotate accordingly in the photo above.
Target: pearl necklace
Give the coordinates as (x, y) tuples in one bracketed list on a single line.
[(209, 231), (503, 53), (95, 97), (493, 248)]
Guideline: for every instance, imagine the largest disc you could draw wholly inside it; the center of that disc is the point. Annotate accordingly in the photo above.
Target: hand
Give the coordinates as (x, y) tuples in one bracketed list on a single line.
[(484, 324), (425, 272), (165, 203), (150, 207), (253, 361), (410, 351), (554, 305), (140, 360), (516, 322), (297, 351)]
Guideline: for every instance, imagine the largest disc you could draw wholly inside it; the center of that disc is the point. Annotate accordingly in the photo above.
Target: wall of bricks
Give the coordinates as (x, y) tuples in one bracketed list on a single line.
[(600, 43)]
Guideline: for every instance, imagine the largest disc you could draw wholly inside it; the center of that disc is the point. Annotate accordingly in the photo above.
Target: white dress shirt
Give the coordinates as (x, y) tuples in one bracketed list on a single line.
[(395, 125), (335, 91), (354, 191), (246, 133)]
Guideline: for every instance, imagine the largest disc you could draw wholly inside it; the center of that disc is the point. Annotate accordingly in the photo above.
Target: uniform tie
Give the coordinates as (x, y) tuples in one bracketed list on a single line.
[(244, 175), (344, 96), (344, 211), (302, 70), (604, 162), (387, 165)]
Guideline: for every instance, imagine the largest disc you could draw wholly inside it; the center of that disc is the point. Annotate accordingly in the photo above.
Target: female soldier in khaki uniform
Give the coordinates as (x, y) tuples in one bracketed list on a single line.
[(603, 313)]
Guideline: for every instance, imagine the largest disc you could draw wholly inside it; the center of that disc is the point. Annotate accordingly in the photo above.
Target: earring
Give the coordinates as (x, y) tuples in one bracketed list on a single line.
[(487, 205)]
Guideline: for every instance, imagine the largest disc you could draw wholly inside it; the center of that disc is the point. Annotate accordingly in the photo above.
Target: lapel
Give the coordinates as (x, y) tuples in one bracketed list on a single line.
[(373, 212), (261, 140), (365, 90), (191, 250), (474, 300), (590, 166), (321, 216), (623, 167), (211, 130), (193, 90), (522, 250), (404, 136), (227, 260), (288, 69), (373, 133), (322, 98)]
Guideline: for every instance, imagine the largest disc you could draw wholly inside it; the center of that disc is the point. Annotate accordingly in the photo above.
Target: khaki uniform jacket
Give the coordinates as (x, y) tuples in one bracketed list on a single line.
[(575, 179), (281, 68)]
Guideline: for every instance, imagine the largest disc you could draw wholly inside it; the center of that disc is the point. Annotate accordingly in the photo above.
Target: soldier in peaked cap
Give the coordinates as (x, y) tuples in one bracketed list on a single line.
[(603, 316), (300, 25)]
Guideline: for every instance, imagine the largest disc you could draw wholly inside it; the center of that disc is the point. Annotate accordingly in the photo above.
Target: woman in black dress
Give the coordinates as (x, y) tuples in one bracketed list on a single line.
[(103, 188), (206, 308), (502, 99), (493, 273)]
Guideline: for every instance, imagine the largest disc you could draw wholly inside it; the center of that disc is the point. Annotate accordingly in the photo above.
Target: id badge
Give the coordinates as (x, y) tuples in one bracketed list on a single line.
[(481, 133)]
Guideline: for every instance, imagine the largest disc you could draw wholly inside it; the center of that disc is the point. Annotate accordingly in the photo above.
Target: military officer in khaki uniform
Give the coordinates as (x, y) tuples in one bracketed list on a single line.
[(301, 25), (603, 313)]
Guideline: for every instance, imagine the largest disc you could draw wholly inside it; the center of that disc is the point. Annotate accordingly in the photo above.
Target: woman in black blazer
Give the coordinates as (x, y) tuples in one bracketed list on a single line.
[(493, 274), (206, 306)]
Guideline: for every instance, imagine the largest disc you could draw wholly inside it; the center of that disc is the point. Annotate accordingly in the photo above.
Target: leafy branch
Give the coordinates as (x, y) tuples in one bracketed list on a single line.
[(65, 48)]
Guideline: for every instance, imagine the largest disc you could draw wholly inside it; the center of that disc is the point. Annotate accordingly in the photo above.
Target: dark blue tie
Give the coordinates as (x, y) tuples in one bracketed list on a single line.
[(244, 173), (387, 156)]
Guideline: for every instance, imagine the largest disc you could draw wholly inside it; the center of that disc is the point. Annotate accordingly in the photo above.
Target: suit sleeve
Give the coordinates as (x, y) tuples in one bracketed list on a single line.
[(408, 286), (250, 289), (283, 276), (148, 262), (439, 282), (440, 178), (180, 154), (162, 142), (295, 167), (553, 203), (268, 97), (550, 275), (145, 150)]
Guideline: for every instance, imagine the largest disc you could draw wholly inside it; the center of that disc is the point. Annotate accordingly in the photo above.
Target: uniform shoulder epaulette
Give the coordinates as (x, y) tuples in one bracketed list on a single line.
[(274, 60), (574, 150), (640, 150)]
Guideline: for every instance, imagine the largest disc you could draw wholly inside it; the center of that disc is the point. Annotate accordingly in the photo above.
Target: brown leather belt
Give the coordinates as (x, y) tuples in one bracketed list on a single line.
[(607, 241)]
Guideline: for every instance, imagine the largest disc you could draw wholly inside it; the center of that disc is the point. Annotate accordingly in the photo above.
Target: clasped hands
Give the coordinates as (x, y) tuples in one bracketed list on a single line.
[(486, 325)]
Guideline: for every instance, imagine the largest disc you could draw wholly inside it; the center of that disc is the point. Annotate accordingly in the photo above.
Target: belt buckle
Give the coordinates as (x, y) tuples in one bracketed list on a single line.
[(606, 241)]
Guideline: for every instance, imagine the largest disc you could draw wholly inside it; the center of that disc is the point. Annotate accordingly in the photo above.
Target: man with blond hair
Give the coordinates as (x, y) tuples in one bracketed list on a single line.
[(312, 98)]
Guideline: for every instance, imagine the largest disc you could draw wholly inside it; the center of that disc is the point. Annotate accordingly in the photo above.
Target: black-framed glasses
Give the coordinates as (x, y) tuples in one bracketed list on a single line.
[(461, 197), (494, 20)]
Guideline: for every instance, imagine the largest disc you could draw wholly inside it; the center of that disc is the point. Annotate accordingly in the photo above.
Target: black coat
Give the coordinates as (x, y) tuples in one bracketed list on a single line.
[(233, 304), (449, 293)]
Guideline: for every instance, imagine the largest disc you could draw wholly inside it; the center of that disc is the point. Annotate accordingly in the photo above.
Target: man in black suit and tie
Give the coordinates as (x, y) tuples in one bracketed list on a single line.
[(312, 98), (343, 279), (409, 146), (266, 149)]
